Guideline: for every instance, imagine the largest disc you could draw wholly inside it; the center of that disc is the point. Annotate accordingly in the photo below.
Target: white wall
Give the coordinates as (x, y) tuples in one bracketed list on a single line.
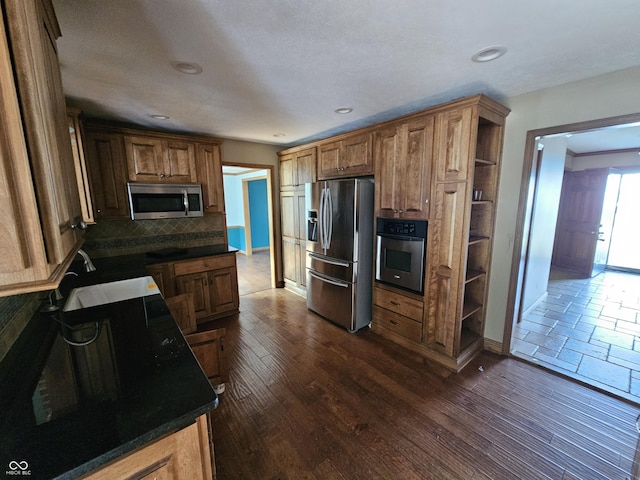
[(599, 97), (544, 217), (233, 200)]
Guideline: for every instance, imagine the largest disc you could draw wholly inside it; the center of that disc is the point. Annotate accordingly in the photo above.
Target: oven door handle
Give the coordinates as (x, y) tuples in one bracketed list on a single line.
[(326, 260), (337, 283), (400, 237)]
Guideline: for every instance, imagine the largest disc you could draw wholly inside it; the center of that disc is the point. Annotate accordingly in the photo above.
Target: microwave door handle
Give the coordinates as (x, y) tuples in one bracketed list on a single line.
[(185, 201)]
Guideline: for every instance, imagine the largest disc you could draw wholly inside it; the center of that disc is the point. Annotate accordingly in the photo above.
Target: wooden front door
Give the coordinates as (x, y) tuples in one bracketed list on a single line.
[(579, 219)]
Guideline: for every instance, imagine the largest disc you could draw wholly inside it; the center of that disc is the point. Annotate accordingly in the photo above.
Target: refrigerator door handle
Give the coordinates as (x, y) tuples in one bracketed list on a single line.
[(321, 218), (329, 207), (323, 259), (337, 283)]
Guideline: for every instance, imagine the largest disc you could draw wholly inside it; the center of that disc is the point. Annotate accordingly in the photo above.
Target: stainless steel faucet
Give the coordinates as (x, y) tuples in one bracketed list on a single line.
[(88, 264)]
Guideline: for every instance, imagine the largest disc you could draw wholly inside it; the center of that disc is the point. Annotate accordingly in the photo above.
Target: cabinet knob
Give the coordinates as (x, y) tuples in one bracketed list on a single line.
[(395, 304), (82, 225), (426, 200)]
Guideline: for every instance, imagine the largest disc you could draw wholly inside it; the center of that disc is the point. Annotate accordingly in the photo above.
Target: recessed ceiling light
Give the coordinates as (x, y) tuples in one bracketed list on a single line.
[(489, 53), (190, 68), (160, 117), (278, 134), (343, 110)]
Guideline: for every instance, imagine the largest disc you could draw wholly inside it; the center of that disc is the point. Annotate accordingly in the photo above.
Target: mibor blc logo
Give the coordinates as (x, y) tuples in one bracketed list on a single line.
[(18, 467)]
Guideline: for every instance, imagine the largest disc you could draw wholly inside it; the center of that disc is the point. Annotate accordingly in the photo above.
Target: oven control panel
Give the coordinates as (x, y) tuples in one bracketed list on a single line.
[(405, 228)]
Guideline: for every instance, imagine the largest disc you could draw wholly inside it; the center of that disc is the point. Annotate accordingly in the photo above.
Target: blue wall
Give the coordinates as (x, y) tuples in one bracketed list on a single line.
[(258, 213), (236, 238)]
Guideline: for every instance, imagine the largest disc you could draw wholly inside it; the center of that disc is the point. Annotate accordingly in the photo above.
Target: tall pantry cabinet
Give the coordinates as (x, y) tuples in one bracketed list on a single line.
[(297, 167), (445, 172), (467, 152)]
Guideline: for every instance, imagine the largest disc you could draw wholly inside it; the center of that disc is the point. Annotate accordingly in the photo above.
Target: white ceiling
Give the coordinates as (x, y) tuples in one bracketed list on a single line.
[(284, 66)]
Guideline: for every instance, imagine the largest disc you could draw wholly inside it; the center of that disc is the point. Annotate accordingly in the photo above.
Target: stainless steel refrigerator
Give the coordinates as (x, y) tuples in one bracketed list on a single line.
[(339, 260)]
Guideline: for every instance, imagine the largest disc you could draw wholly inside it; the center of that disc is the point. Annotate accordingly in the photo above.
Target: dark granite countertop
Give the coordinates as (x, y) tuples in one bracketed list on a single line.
[(69, 409)]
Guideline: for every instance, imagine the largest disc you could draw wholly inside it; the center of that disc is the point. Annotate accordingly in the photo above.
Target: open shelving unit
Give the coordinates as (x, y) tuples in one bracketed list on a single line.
[(482, 191)]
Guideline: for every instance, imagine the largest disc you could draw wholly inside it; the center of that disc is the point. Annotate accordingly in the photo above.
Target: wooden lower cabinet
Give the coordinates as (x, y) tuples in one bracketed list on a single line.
[(212, 282), (397, 314), (208, 347), (183, 455)]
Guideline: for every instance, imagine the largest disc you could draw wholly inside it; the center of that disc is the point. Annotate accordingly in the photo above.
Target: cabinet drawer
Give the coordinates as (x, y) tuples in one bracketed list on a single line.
[(397, 303), (204, 264), (397, 323)]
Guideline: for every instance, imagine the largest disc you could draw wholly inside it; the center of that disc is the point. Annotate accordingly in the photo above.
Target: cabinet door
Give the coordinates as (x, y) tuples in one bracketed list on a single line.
[(162, 273), (356, 156), (328, 160), (32, 34), (288, 171), (108, 174), (446, 256), (210, 175), (301, 257), (145, 160), (453, 143), (180, 158), (208, 347), (348, 157), (183, 312), (198, 285), (388, 158), (183, 454), (76, 134), (223, 285), (305, 166), (415, 187), (291, 270), (289, 214)]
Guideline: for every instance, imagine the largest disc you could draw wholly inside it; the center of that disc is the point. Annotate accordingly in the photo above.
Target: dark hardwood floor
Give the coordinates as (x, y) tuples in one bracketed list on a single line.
[(307, 400)]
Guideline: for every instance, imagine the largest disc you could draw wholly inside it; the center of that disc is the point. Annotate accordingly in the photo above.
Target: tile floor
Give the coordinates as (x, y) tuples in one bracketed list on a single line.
[(588, 329)]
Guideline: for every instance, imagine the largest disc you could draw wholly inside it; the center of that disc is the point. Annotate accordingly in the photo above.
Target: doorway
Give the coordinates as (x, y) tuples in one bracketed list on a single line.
[(249, 208), (576, 326), (623, 251)]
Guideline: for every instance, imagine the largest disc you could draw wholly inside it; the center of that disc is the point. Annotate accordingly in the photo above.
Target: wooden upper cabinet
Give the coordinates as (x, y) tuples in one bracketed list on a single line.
[(108, 173), (33, 30), (76, 133), (181, 162), (209, 161), (453, 144), (348, 156), (297, 168), (151, 159), (403, 157), (41, 207)]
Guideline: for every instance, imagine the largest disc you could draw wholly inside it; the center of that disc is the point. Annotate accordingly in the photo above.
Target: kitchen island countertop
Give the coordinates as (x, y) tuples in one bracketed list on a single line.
[(71, 404)]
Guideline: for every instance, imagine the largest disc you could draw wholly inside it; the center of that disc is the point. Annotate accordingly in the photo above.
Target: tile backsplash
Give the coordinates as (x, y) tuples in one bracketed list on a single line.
[(117, 237), (124, 236)]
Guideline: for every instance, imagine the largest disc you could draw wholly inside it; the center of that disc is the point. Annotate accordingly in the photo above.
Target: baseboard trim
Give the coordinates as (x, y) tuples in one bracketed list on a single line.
[(493, 346)]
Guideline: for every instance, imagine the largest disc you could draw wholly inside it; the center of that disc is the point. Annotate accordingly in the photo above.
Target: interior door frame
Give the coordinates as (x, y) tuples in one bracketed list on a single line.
[(273, 251), (528, 180)]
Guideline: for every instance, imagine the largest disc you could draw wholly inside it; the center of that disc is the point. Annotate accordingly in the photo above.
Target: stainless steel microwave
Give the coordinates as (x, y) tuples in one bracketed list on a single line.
[(164, 200)]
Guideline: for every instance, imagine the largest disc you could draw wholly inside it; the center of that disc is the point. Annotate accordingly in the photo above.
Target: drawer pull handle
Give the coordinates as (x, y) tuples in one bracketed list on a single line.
[(395, 304), (393, 322)]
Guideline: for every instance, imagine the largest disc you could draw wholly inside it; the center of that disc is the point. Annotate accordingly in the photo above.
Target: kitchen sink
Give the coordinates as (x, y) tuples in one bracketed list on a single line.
[(102, 293)]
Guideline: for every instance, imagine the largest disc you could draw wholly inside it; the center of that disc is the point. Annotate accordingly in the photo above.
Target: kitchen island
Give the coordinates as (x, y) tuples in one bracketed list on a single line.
[(82, 390)]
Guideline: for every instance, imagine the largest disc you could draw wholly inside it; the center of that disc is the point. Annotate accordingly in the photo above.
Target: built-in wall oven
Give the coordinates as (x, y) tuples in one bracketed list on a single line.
[(400, 253)]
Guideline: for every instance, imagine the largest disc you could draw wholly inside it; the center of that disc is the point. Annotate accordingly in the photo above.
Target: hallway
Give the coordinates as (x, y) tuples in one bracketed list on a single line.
[(587, 329), (254, 272)]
